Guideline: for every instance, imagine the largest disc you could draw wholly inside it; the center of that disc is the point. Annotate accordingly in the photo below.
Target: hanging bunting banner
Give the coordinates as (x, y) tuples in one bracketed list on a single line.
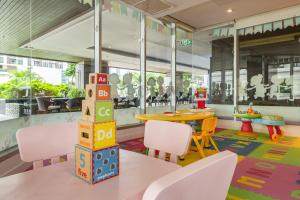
[(135, 14), (116, 8), (123, 10), (107, 5), (160, 28), (154, 25)]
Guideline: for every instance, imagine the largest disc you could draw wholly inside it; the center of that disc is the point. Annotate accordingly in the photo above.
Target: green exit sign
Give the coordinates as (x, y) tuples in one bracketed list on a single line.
[(185, 42)]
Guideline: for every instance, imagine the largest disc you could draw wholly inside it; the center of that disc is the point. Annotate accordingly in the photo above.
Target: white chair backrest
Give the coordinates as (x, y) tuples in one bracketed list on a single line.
[(167, 137), (49, 141), (208, 178)]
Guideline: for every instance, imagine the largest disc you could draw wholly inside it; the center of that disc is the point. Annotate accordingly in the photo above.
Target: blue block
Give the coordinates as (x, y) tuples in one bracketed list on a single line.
[(96, 166), (106, 163)]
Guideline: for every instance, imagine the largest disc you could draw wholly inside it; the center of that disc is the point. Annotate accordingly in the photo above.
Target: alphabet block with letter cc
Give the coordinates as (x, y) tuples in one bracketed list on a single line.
[(97, 111)]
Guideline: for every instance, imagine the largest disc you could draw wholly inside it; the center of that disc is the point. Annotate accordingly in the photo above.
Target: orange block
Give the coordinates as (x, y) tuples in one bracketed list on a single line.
[(97, 92)]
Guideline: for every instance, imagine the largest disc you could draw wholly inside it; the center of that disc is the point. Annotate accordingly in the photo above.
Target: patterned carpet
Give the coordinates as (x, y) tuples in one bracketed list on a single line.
[(266, 170)]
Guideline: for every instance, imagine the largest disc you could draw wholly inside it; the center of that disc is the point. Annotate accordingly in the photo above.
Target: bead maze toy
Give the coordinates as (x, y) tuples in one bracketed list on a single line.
[(272, 122), (200, 97), (97, 154)]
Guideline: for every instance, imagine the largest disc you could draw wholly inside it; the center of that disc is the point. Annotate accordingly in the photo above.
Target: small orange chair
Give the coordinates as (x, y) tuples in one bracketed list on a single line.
[(208, 130)]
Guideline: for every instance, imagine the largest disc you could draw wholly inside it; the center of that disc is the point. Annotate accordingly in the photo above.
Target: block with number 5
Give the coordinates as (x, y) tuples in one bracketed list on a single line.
[(96, 166)]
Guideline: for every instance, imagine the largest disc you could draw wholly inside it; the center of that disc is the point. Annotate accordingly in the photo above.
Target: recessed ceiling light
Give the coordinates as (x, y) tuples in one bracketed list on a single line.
[(229, 10)]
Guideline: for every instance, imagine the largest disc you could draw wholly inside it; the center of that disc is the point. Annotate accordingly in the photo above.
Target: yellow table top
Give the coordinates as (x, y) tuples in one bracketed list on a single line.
[(186, 116), (195, 110)]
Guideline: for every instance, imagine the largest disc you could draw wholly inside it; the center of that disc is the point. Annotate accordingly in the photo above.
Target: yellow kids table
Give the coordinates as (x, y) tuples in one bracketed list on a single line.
[(176, 117), (179, 116)]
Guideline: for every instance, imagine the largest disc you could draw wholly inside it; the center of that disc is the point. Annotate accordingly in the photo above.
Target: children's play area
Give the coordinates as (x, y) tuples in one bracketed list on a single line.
[(265, 169), (149, 100)]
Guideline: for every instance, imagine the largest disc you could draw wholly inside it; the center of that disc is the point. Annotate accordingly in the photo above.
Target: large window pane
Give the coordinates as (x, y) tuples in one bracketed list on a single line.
[(158, 66), (184, 69), (46, 53), (269, 70), (121, 58), (62, 58), (214, 50), (15, 75)]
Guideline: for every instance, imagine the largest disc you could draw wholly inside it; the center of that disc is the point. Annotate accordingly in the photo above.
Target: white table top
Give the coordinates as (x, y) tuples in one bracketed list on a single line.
[(58, 181)]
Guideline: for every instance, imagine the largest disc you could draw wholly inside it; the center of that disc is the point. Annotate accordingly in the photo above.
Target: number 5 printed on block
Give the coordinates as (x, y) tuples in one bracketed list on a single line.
[(82, 159)]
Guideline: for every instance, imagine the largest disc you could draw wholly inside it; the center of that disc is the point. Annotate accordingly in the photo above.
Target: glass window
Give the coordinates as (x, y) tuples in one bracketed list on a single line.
[(37, 63), (121, 58), (185, 71), (11, 60), (214, 51), (20, 61), (158, 66), (14, 79), (269, 69), (28, 84), (1, 59)]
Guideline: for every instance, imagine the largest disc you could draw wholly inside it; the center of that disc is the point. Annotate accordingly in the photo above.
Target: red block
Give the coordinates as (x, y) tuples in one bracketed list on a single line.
[(98, 78)]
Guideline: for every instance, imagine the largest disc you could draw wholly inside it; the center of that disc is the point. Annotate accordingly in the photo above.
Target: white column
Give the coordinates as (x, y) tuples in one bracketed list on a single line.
[(236, 68), (173, 66), (143, 37), (98, 34)]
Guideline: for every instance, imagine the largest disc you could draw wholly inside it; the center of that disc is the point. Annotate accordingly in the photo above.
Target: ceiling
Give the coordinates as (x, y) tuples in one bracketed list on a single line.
[(203, 13), (22, 20)]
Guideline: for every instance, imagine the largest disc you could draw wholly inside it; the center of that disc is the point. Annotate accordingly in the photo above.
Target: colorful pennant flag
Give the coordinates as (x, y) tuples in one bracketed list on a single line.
[(107, 5)]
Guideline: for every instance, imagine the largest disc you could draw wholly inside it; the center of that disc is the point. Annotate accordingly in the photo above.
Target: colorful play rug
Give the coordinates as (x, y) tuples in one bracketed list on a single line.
[(266, 170)]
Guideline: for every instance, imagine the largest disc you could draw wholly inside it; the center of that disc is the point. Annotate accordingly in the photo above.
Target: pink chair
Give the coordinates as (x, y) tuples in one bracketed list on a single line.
[(167, 137), (208, 178), (49, 141)]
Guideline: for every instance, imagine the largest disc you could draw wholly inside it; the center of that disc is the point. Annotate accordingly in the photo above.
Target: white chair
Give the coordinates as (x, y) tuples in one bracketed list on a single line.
[(49, 141), (208, 178), (167, 137)]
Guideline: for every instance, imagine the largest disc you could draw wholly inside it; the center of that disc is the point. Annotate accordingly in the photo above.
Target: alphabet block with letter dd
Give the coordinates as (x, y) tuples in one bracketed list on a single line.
[(97, 135), (97, 92), (98, 78), (97, 111), (96, 166)]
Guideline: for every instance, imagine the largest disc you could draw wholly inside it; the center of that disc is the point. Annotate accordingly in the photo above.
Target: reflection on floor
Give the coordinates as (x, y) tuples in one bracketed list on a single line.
[(266, 170)]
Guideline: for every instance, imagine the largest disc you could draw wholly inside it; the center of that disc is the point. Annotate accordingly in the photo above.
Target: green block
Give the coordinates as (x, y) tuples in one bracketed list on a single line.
[(104, 111)]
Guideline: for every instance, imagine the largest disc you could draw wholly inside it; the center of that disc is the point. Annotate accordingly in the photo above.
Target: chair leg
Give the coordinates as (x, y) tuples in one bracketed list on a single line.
[(214, 144), (199, 148), (206, 144), (203, 142)]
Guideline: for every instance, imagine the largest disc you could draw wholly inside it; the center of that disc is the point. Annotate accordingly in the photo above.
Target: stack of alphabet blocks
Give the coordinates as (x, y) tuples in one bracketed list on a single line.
[(97, 154)]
